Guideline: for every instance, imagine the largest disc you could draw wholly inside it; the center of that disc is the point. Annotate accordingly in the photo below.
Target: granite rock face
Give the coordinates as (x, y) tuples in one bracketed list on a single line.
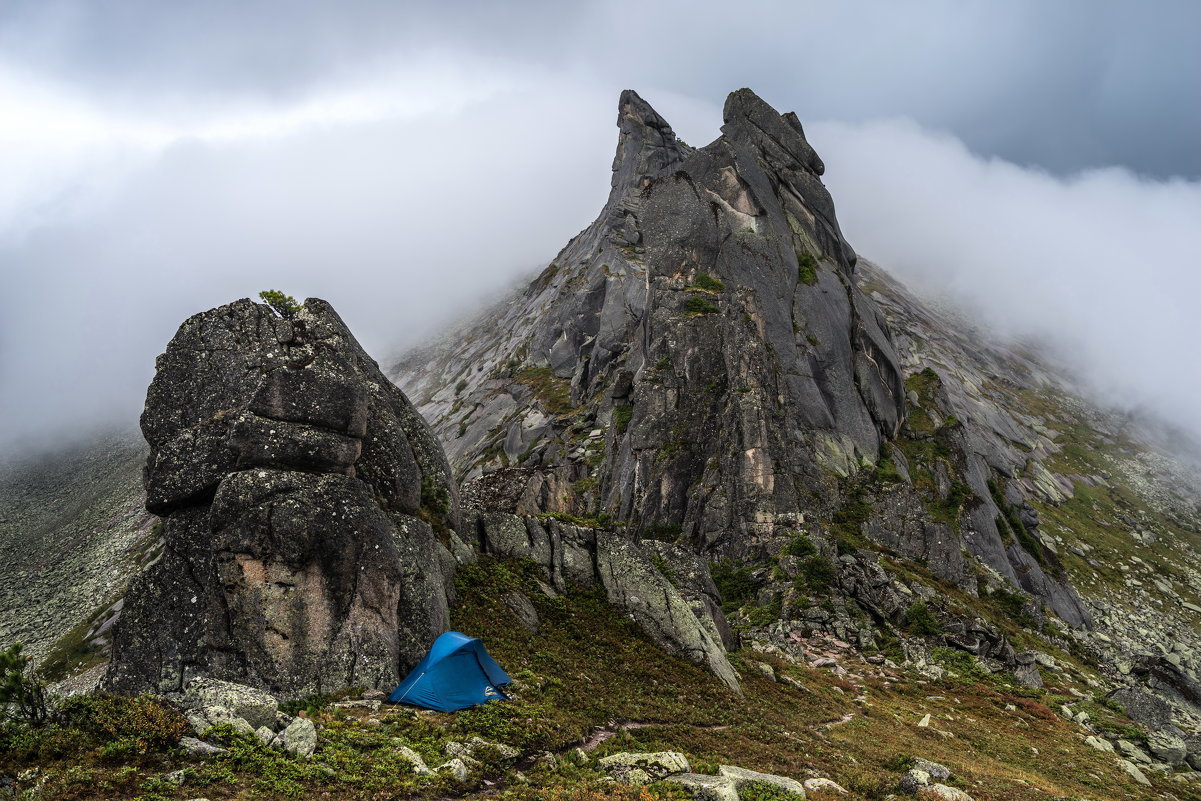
[(679, 612), (706, 327), (701, 364), (303, 501)]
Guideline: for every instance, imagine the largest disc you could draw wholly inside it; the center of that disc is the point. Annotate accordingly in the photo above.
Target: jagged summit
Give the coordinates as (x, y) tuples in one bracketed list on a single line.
[(699, 364), (646, 145)]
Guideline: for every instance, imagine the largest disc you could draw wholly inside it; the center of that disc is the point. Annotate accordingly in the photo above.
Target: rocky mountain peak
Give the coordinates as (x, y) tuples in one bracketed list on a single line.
[(646, 146), (710, 296), (700, 364)]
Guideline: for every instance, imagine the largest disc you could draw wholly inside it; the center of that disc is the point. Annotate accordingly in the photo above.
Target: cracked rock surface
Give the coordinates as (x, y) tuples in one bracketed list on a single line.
[(303, 500)]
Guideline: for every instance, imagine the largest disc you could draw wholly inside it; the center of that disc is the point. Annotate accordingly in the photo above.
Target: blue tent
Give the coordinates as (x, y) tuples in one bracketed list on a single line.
[(455, 674)]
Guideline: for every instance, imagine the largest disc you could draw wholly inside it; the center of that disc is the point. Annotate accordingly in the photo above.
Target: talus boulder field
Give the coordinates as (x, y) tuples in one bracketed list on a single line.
[(307, 509)]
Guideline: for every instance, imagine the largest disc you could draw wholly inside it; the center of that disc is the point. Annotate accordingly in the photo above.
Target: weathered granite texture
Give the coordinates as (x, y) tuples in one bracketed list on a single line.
[(303, 499), (664, 588), (710, 310), (701, 363)]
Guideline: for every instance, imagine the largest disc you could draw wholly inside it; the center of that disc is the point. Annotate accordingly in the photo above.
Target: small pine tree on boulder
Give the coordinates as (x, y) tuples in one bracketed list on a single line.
[(284, 305)]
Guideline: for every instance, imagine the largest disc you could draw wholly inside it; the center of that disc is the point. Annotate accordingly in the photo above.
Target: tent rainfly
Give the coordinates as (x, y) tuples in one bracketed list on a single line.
[(455, 674)]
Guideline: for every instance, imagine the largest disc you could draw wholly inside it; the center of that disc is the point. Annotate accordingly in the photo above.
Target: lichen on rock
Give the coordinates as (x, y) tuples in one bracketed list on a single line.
[(305, 505)]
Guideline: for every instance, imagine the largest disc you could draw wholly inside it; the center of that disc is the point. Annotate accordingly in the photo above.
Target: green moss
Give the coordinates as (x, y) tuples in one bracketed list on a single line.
[(74, 653), (886, 471), (435, 501), (1012, 605), (806, 267), (962, 663), (552, 392), (762, 616), (602, 520), (847, 523), (661, 565), (1010, 525), (919, 619), (765, 791), (947, 510), (621, 418)]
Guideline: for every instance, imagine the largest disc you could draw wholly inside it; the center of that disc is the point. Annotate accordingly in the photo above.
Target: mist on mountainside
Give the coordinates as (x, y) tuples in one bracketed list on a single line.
[(409, 164), (1097, 265)]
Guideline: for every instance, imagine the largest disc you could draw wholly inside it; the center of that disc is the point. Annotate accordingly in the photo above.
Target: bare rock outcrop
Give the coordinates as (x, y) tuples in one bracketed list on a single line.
[(306, 505), (702, 364)]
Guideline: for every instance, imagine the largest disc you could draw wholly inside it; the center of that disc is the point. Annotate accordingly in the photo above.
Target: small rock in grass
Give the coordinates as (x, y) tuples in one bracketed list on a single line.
[(200, 748), (300, 738), (414, 759), (913, 780), (457, 768), (1133, 772), (828, 785), (767, 670), (935, 770), (945, 793)]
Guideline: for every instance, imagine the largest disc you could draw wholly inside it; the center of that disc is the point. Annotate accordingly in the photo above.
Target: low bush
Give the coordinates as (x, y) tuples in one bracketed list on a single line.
[(734, 583), (708, 283), (816, 575), (919, 619), (800, 545), (806, 267), (146, 722)]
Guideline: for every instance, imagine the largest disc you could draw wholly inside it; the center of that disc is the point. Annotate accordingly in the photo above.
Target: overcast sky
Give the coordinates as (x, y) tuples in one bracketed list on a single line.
[(1036, 162)]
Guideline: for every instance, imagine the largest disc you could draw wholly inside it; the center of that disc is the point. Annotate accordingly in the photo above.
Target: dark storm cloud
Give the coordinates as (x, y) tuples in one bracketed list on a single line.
[(408, 162), (1063, 85)]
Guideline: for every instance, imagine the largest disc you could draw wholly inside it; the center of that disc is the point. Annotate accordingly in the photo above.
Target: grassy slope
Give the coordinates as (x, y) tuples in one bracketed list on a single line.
[(588, 667), (1119, 570)]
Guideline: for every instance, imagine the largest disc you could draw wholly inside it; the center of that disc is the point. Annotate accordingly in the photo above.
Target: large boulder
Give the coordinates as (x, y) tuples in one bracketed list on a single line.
[(743, 777), (305, 507), (256, 707), (1143, 706), (633, 583), (644, 768)]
